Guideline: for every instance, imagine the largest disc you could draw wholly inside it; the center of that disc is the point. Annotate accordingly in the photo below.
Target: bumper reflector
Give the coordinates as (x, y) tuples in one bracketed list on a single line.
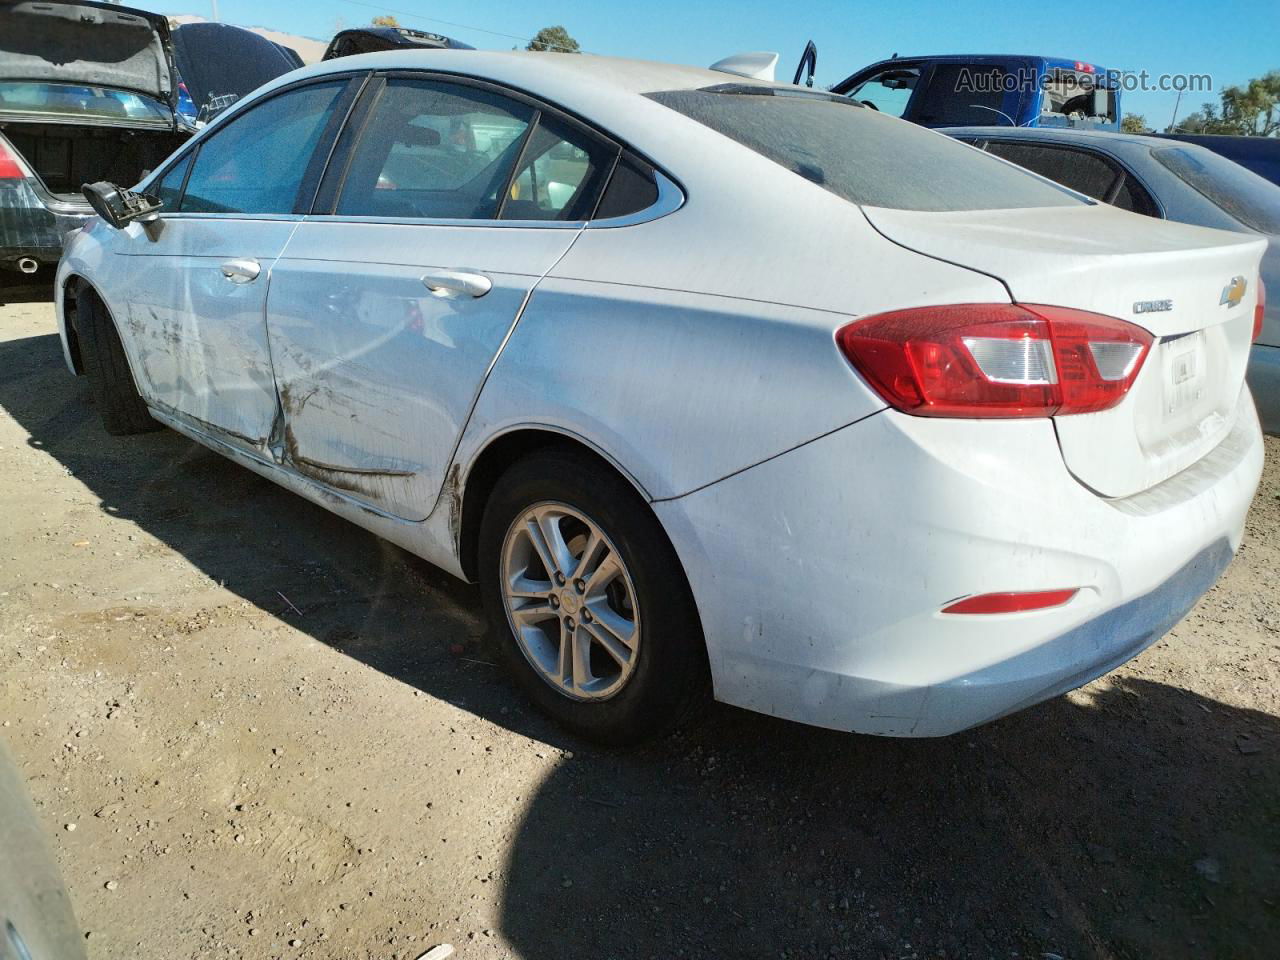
[(1011, 602)]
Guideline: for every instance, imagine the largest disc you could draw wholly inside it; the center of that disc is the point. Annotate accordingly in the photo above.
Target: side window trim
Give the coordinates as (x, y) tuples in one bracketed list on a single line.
[(670, 195), (342, 110)]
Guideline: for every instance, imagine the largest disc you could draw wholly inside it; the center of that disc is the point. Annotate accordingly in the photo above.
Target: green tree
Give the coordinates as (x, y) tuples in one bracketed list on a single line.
[(1247, 110), (386, 20), (555, 39), (1134, 123)]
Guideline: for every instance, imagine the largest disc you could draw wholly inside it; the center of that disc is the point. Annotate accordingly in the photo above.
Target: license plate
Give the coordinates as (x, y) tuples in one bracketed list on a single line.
[(1184, 363)]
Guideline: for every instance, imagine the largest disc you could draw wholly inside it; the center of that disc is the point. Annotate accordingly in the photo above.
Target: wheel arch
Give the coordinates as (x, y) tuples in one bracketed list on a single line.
[(476, 484), (73, 288)]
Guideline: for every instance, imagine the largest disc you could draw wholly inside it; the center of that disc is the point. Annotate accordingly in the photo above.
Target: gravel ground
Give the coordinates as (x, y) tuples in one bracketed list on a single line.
[(277, 736)]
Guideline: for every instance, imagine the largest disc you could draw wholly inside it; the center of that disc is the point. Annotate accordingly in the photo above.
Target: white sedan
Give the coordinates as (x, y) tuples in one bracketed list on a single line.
[(700, 377)]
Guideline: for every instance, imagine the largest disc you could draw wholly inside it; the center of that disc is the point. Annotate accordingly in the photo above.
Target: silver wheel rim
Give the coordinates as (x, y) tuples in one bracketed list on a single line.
[(570, 601)]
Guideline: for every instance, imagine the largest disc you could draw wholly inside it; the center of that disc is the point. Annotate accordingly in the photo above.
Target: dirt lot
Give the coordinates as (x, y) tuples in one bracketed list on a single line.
[(276, 736)]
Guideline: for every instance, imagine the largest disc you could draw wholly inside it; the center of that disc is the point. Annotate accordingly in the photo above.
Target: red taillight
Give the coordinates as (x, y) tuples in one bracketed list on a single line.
[(996, 360), (1260, 311), (1011, 602), (9, 169)]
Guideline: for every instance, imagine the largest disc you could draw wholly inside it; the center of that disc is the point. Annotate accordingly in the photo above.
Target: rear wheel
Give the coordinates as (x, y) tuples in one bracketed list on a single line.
[(107, 367), (587, 601)]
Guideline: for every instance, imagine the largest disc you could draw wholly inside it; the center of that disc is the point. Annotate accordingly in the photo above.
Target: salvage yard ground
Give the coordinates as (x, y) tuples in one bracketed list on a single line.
[(256, 731)]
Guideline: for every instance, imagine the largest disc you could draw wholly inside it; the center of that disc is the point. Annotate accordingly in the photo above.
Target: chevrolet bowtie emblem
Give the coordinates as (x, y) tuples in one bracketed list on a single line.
[(1233, 292)]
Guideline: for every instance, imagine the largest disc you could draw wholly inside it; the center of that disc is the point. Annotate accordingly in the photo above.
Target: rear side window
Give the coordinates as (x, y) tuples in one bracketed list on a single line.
[(860, 155), (1241, 193), (256, 162), (1083, 172), (631, 189), (559, 174), (435, 150), (444, 151)]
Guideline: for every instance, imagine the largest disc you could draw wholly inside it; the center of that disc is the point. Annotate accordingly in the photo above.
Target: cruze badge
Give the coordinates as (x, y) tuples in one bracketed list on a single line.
[(1152, 306), (1233, 292)]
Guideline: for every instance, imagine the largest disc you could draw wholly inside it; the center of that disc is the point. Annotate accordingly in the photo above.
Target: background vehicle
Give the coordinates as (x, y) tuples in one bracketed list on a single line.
[(219, 64), (1171, 180), (1017, 91), (505, 329), (87, 92), (1259, 154), (357, 40), (36, 919)]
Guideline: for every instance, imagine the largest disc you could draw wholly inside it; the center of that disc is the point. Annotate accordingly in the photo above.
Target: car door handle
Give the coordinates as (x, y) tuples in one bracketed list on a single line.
[(453, 283), (241, 271)]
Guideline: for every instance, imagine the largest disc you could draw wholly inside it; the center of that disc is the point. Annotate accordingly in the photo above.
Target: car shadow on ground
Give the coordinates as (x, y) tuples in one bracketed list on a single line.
[(1133, 820)]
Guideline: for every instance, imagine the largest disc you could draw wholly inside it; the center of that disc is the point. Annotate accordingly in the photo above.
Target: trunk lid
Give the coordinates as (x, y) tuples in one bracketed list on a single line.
[(1175, 281), (220, 63), (91, 44)]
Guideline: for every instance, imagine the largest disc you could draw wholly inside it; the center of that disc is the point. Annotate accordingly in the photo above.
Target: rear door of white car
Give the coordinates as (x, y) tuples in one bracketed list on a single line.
[(444, 205), (198, 277)]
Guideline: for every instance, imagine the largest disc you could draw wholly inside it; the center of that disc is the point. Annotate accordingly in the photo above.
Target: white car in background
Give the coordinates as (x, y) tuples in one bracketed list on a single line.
[(696, 375)]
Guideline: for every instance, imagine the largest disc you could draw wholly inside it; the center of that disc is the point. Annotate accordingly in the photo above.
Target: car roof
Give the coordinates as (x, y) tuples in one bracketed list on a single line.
[(621, 75)]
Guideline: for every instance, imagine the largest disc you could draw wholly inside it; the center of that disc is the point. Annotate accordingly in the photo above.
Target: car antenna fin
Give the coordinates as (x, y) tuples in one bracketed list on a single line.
[(755, 66)]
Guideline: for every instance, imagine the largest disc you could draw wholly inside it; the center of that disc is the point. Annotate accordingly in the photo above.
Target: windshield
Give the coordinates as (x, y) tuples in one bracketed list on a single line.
[(73, 100), (862, 156), (1240, 193)]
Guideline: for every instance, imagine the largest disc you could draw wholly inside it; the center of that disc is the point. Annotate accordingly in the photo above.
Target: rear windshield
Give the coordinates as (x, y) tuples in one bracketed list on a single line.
[(1241, 193), (71, 100), (860, 155)]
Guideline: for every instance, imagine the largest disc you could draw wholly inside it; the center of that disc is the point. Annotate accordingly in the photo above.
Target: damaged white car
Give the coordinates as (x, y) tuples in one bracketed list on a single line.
[(700, 377)]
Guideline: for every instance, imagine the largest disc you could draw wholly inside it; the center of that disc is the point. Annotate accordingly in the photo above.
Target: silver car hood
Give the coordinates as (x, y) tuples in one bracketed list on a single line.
[(86, 43)]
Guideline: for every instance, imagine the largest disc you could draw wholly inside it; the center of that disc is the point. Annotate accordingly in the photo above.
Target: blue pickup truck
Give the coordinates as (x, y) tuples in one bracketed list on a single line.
[(966, 90)]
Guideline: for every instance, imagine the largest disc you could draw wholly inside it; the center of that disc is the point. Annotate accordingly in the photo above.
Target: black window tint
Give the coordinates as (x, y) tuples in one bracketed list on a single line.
[(1132, 196), (1083, 172), (257, 161), (962, 94), (861, 156), (559, 175), (631, 189), (434, 150), (169, 187), (1243, 194)]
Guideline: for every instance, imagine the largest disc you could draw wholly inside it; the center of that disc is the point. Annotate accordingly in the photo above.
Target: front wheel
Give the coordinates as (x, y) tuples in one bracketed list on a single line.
[(587, 601)]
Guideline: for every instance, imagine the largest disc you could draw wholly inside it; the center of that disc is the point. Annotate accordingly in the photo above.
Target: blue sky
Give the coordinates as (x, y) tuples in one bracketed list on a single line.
[(1231, 41)]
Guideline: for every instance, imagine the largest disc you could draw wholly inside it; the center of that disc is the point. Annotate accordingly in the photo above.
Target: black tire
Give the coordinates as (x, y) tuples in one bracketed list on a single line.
[(105, 364), (671, 672)]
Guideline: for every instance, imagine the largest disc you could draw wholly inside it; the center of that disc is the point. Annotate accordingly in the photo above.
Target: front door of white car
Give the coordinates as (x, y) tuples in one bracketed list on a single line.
[(198, 276), (444, 206)]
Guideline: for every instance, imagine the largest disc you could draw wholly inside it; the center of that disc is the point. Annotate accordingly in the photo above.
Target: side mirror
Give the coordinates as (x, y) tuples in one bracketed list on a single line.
[(118, 206)]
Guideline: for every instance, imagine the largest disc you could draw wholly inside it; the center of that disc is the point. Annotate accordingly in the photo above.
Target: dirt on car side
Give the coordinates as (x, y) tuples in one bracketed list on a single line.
[(256, 731)]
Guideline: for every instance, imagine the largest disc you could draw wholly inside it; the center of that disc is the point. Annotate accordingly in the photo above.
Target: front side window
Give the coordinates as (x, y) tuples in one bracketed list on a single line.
[(255, 163), (861, 155), (169, 187)]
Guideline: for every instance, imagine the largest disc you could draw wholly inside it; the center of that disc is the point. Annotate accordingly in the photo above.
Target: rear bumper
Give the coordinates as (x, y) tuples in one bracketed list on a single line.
[(32, 227), (820, 575), (1264, 383)]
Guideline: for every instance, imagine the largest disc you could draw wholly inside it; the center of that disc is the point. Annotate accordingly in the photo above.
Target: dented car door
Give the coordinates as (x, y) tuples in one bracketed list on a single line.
[(386, 311), (199, 273)]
